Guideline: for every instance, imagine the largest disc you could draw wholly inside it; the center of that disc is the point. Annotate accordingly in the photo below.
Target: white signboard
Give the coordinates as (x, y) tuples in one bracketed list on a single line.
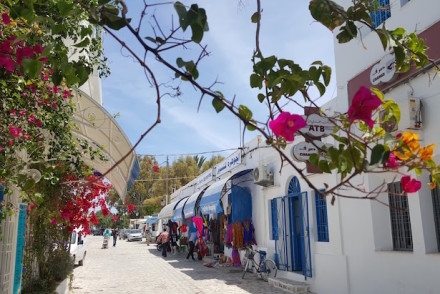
[(204, 178), (384, 71), (303, 150), (229, 163), (318, 126)]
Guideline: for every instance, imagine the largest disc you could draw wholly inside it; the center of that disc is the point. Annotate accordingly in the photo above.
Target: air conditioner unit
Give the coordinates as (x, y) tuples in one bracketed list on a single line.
[(263, 176), (410, 116)]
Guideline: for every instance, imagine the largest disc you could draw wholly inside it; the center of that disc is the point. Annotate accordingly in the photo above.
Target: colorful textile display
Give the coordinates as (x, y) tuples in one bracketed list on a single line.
[(238, 235), (236, 257), (249, 233), (229, 235), (198, 221)]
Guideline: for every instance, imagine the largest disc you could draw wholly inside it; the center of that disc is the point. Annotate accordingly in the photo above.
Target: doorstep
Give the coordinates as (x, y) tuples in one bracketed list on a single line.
[(290, 286)]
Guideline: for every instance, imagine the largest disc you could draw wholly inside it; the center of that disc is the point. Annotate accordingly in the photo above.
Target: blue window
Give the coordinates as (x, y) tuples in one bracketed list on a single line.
[(321, 218), (381, 13), (274, 214)]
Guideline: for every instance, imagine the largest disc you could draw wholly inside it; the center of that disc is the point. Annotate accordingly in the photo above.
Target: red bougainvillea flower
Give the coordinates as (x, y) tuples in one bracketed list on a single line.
[(286, 124), (54, 221), (15, 131), (392, 162), (115, 218), (23, 53), (105, 211), (130, 208), (362, 107), (5, 18), (156, 168), (410, 185), (93, 219)]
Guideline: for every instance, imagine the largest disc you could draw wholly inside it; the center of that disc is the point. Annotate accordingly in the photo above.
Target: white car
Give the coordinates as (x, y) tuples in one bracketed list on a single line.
[(78, 248), (134, 235)]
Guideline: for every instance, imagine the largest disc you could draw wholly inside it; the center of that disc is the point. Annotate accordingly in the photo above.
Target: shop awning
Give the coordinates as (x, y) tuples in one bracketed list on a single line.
[(151, 220), (189, 210), (210, 202), (177, 216), (100, 129), (167, 211)]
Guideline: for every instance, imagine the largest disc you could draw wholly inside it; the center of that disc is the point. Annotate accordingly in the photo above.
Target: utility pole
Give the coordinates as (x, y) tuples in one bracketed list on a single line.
[(166, 184)]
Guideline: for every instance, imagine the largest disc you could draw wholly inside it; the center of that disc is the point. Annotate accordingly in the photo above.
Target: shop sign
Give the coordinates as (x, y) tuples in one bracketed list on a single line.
[(303, 150), (229, 163), (383, 71), (318, 126), (205, 178)]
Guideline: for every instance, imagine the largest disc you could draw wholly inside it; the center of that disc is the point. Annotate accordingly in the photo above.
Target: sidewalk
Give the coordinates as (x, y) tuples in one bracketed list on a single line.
[(132, 268)]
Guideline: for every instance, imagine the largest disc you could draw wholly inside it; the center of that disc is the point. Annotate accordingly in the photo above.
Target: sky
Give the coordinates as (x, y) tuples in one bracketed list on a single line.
[(287, 31)]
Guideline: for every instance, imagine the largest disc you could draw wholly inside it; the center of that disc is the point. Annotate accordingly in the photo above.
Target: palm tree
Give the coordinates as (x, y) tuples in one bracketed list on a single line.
[(199, 161)]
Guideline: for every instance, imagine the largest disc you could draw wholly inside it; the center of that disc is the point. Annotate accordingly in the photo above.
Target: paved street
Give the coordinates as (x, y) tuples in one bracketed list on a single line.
[(134, 268)]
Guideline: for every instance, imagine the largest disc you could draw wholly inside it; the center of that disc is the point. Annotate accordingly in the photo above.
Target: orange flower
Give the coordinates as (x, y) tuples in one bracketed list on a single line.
[(411, 145), (432, 185), (426, 153)]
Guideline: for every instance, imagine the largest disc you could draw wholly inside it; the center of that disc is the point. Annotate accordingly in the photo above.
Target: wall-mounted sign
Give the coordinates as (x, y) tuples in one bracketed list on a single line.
[(303, 150), (205, 178), (383, 71), (318, 126), (229, 163)]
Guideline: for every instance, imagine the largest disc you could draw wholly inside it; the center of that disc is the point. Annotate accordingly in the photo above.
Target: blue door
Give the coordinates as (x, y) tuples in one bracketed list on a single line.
[(290, 230)]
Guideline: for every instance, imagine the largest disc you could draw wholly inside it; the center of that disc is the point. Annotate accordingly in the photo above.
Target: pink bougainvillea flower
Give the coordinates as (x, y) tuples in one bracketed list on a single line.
[(392, 162), (286, 125), (53, 221), (56, 89), (13, 112), (7, 63), (54, 105), (38, 49), (51, 71), (410, 185), (31, 119), (39, 124), (22, 53), (362, 107), (11, 142), (1, 148), (22, 112), (130, 208), (5, 18), (45, 77), (15, 131)]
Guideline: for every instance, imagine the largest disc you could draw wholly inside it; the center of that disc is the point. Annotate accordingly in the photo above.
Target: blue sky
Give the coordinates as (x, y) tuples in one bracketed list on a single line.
[(288, 31)]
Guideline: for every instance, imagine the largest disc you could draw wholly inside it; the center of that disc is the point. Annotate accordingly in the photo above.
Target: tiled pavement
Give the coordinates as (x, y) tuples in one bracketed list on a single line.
[(135, 268)]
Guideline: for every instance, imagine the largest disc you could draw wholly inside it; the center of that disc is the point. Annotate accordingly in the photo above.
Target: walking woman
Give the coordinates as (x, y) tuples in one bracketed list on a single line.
[(165, 238)]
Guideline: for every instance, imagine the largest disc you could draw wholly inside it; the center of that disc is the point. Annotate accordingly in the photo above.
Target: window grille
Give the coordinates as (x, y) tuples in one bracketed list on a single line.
[(400, 218), (436, 206), (381, 13), (321, 218)]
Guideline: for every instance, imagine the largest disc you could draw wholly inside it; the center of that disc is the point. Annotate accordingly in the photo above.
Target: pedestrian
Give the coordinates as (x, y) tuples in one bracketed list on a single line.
[(148, 236), (115, 234), (192, 241), (165, 238), (173, 239)]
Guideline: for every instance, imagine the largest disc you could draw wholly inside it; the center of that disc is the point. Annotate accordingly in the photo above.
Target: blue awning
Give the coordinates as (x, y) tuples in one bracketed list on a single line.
[(151, 220), (210, 202), (178, 210), (189, 210)]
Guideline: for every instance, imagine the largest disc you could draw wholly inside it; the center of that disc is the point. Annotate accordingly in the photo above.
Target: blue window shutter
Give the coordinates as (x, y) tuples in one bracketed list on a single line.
[(383, 12), (321, 218), (274, 214)]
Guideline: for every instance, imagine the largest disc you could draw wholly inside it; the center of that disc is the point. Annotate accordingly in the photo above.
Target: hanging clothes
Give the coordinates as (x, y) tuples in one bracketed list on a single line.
[(249, 233), (238, 235), (229, 236), (198, 221), (222, 230), (236, 257), (183, 228)]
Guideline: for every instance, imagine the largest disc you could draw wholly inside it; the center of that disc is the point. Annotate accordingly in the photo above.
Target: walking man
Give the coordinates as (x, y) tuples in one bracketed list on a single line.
[(192, 241), (115, 234), (165, 238)]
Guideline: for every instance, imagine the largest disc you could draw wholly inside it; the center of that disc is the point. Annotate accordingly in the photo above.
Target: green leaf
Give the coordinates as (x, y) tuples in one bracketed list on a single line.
[(180, 62), (245, 112), (376, 154), (326, 74), (325, 11), (83, 43), (64, 8), (323, 165), (383, 36), (181, 12), (321, 88), (256, 81), (250, 127), (218, 105), (32, 67), (261, 97), (255, 17)]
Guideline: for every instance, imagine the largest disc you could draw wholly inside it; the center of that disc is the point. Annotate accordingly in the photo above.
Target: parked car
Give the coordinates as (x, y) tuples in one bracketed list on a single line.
[(78, 247), (134, 235), (98, 232), (123, 234)]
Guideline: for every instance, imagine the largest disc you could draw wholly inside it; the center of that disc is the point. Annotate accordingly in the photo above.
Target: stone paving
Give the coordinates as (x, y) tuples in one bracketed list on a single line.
[(133, 267)]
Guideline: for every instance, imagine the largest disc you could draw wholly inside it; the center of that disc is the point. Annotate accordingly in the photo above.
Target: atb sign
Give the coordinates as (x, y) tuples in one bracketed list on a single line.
[(303, 150), (318, 126)]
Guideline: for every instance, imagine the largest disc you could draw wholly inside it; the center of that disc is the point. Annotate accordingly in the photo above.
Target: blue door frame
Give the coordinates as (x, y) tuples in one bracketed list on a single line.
[(291, 224)]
